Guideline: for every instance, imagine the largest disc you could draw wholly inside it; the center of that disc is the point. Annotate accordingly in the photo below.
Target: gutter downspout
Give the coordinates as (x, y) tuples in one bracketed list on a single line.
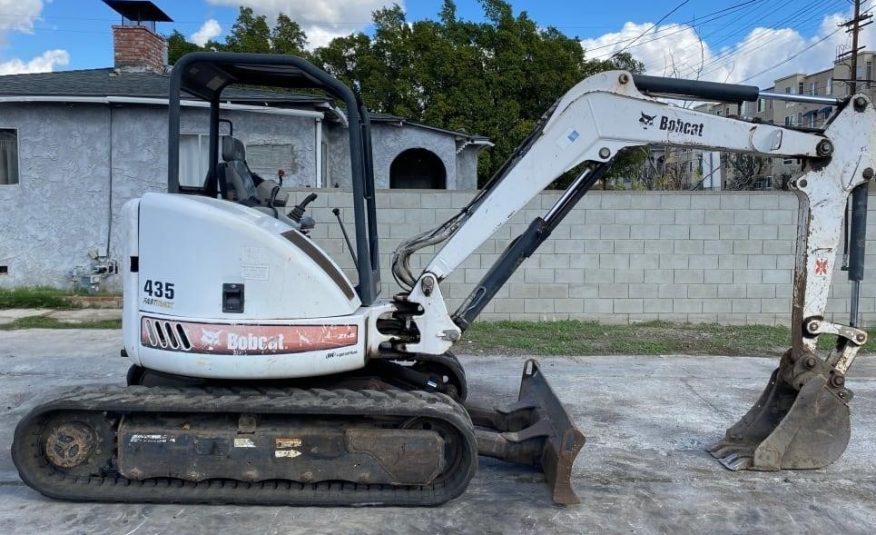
[(318, 124)]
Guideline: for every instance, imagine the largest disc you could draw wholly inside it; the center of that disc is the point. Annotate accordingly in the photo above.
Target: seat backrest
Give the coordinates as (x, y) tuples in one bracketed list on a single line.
[(237, 174)]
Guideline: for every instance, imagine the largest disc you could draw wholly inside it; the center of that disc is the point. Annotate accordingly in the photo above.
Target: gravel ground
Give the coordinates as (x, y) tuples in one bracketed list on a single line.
[(643, 469)]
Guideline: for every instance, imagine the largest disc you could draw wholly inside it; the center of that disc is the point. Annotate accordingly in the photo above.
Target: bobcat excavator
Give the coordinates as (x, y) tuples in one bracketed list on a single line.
[(263, 375)]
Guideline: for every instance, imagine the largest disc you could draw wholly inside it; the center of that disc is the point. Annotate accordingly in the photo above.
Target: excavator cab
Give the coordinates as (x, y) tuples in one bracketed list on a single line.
[(206, 75)]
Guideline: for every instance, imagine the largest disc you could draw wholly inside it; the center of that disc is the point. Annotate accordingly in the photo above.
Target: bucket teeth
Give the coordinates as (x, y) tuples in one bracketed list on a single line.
[(797, 425)]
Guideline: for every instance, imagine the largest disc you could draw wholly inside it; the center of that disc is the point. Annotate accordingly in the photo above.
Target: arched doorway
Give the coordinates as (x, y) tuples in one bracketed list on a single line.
[(417, 169)]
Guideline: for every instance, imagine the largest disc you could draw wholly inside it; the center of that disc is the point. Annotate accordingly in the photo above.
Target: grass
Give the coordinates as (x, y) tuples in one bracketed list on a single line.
[(650, 338), (34, 297), (42, 322)]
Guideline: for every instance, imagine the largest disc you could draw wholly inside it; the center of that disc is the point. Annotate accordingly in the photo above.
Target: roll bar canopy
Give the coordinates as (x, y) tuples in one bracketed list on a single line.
[(205, 75)]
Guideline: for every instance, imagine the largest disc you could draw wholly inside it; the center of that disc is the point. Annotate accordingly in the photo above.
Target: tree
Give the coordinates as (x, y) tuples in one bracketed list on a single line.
[(250, 33), (494, 78), (178, 46), (287, 37)]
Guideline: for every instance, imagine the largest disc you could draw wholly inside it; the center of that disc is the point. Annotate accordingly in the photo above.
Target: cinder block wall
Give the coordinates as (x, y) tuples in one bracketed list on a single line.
[(619, 257)]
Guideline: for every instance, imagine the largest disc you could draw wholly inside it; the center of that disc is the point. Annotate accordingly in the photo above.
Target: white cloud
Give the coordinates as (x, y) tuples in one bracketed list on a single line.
[(209, 30), (19, 15), (322, 20), (676, 50), (45, 62)]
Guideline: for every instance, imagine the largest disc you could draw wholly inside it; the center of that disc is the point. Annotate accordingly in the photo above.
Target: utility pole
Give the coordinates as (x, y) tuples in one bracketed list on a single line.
[(854, 27)]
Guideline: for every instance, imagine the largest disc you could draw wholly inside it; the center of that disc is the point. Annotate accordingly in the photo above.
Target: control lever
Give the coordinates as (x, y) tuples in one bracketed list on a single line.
[(298, 211), (337, 212)]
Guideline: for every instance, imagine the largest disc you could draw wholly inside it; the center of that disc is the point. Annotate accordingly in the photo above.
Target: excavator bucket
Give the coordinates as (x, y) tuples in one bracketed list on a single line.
[(535, 430), (798, 424)]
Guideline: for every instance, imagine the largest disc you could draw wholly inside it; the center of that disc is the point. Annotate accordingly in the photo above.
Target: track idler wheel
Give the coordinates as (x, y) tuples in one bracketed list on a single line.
[(800, 422)]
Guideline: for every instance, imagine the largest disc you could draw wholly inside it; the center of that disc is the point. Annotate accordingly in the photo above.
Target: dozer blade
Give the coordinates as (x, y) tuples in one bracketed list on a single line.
[(797, 425), (536, 430)]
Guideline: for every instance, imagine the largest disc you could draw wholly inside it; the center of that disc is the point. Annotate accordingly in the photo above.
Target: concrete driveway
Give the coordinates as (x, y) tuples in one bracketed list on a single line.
[(643, 469)]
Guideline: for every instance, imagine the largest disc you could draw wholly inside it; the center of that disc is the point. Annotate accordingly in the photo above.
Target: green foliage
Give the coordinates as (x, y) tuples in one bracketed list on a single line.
[(42, 322), (573, 337), (34, 297), (250, 33)]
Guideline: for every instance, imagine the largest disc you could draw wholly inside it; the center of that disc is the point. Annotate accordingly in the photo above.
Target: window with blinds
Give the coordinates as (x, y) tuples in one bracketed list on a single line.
[(8, 156)]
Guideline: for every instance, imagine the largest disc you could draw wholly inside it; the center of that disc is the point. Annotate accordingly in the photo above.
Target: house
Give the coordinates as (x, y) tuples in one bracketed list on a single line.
[(76, 145)]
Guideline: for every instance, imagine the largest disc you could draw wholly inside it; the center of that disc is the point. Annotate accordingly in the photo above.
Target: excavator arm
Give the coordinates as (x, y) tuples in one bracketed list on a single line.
[(802, 419)]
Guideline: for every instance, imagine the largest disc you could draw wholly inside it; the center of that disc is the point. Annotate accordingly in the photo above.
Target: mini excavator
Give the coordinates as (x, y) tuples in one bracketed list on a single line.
[(264, 375)]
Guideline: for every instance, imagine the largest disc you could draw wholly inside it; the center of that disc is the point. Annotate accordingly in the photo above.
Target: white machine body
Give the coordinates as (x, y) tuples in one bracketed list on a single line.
[(216, 289)]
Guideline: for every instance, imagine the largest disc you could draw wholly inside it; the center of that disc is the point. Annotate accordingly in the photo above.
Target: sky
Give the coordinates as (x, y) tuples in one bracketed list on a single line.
[(740, 41)]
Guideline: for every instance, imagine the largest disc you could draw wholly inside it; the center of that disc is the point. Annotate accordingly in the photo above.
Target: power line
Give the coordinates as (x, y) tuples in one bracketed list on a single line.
[(779, 64)]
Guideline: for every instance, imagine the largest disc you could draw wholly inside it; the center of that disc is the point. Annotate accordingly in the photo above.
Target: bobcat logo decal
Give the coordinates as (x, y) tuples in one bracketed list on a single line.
[(210, 338), (646, 120)]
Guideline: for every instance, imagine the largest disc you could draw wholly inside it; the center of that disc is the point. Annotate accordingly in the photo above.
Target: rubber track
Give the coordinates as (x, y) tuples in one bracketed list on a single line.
[(36, 472)]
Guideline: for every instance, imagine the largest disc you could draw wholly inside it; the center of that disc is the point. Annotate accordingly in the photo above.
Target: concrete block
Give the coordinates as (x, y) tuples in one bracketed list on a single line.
[(777, 276), (553, 261), (673, 261), (645, 261), (721, 217), (763, 232), (705, 200), (615, 201), (584, 261), (648, 291), (644, 200), (538, 275), (629, 246), (675, 232), (659, 276), (642, 318), (732, 262), (524, 290), (764, 261), (628, 306), (706, 262), (775, 305), (614, 290), (764, 291), (657, 306), (689, 217), (614, 232), (688, 247), (569, 306), (704, 232), (746, 306), (657, 246), (749, 218), (747, 247), (688, 276), (553, 291), (614, 261), (436, 200), (644, 232), (764, 201), (733, 232), (538, 306), (586, 291), (599, 217), (747, 276), (687, 306), (780, 217), (583, 232), (400, 199), (731, 291), (718, 276), (574, 275), (719, 247), (598, 246), (702, 291), (629, 275), (675, 202), (734, 201), (569, 246), (598, 306), (510, 306), (658, 217), (714, 306), (672, 291), (599, 276)]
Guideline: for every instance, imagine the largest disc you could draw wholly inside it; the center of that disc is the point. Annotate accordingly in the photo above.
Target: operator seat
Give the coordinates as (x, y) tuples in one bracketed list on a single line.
[(236, 180)]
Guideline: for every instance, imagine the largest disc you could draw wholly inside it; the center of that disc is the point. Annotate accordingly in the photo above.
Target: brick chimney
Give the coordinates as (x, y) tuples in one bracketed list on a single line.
[(137, 48), (136, 44)]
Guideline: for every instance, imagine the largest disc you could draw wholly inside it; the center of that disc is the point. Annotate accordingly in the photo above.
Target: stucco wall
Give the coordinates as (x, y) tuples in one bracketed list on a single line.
[(60, 210)]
